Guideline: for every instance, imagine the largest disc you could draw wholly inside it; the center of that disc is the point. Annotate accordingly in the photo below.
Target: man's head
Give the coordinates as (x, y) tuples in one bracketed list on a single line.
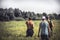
[(30, 18), (48, 18)]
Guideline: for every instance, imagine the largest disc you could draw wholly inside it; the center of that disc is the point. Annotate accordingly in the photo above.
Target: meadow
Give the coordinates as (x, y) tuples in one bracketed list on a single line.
[(16, 30)]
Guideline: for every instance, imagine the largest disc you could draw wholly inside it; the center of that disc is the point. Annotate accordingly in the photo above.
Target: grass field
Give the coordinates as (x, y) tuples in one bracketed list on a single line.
[(16, 30)]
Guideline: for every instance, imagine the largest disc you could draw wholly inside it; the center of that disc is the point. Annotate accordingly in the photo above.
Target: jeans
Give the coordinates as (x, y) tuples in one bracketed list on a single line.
[(44, 37), (29, 32)]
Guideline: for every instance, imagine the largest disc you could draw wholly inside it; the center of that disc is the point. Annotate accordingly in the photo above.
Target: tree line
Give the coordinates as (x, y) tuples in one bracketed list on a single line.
[(17, 14)]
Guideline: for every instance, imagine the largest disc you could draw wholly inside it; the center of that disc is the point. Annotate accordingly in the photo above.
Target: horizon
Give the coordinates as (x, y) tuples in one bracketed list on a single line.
[(50, 6)]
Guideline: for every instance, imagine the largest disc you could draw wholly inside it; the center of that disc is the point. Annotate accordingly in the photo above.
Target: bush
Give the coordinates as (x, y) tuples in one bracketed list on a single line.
[(19, 19)]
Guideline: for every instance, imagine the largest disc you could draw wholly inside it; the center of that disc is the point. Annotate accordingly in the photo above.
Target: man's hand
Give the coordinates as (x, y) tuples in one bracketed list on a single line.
[(38, 35)]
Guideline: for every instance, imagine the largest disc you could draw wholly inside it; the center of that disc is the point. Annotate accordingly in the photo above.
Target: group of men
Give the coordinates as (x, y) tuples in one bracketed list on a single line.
[(45, 28)]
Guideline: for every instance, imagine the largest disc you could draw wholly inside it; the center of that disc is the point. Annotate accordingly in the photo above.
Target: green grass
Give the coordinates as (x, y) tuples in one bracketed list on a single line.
[(16, 30)]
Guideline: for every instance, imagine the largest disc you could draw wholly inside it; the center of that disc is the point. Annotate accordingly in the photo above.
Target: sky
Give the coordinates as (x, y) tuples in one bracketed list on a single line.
[(37, 6)]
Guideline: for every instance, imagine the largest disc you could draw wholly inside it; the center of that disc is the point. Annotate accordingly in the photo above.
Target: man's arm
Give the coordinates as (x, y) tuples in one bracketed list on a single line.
[(52, 24), (26, 22), (49, 28)]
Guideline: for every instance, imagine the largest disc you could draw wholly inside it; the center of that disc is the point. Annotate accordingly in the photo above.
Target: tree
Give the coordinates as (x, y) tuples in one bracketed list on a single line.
[(51, 16), (17, 12), (39, 15), (1, 14), (55, 15), (44, 14), (1, 9), (58, 16), (10, 13)]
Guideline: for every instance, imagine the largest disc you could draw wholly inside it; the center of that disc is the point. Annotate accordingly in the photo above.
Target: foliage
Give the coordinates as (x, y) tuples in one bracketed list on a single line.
[(10, 14)]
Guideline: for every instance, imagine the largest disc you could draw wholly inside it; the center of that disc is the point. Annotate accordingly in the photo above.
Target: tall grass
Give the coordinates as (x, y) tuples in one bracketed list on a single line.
[(16, 30)]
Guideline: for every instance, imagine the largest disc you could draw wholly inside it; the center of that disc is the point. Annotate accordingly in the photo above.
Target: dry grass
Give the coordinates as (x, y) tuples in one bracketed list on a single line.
[(16, 30)]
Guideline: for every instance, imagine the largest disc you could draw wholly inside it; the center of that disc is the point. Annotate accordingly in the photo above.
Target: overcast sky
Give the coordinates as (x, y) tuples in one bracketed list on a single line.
[(37, 6)]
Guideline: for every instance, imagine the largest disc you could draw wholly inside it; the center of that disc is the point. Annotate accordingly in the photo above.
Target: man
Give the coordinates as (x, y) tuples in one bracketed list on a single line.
[(29, 31), (50, 25), (44, 28)]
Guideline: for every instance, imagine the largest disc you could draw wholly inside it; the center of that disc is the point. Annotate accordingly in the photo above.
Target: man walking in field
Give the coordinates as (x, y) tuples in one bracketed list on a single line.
[(50, 25), (44, 29), (29, 31)]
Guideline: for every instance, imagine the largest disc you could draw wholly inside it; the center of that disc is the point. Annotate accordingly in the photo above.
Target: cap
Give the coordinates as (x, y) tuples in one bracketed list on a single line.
[(43, 17)]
